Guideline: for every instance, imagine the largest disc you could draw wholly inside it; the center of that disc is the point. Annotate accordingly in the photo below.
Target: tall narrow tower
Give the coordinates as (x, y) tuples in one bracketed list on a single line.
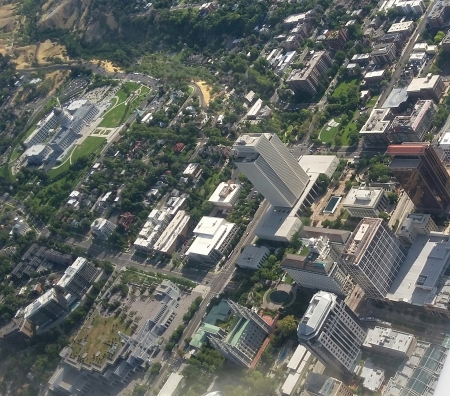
[(421, 173), (271, 168), (332, 332)]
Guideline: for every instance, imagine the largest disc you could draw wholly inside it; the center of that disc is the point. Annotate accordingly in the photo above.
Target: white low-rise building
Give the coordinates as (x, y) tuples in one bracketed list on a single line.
[(253, 257), (225, 195), (212, 237), (391, 342), (102, 228)]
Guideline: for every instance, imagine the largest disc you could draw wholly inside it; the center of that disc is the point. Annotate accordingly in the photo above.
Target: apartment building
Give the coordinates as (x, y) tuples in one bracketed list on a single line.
[(383, 53), (47, 308), (78, 277), (308, 79), (245, 336)]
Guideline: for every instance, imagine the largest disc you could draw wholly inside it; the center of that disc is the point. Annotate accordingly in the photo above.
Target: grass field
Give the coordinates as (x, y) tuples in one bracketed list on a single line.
[(372, 101), (98, 336), (351, 126), (122, 111), (344, 86), (90, 145), (327, 136)]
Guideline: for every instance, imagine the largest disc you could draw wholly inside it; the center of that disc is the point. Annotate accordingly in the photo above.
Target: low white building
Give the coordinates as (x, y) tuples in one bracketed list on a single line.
[(212, 237), (413, 225), (225, 195), (173, 384), (365, 201), (373, 376), (193, 170), (390, 342), (102, 228), (253, 257), (444, 144)]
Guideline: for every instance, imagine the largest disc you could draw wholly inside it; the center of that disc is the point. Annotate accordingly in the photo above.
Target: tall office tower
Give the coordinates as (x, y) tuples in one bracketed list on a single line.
[(271, 168), (78, 277), (420, 172), (332, 332), (373, 256), (245, 337)]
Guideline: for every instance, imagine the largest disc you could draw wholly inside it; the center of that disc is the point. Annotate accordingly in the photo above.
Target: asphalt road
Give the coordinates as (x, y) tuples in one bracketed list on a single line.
[(405, 54)]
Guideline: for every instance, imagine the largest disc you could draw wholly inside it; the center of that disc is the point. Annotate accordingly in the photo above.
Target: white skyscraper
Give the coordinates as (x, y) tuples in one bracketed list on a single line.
[(332, 332), (271, 168)]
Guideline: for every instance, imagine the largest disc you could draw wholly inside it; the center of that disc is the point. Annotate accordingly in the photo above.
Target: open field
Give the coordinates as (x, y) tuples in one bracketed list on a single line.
[(108, 66), (351, 126), (204, 87), (49, 49)]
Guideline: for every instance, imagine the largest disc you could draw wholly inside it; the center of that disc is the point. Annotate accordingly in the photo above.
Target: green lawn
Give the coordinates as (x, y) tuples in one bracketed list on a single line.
[(89, 146), (327, 136), (372, 101), (344, 86), (113, 117), (351, 126)]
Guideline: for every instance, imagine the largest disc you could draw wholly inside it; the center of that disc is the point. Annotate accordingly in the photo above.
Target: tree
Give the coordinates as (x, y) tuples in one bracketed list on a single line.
[(384, 216), (155, 368), (439, 37), (393, 197), (287, 326)]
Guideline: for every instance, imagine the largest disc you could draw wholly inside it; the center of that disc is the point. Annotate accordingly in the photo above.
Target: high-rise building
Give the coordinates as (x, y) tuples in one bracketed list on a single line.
[(422, 175), (271, 168), (78, 277), (47, 308), (245, 337), (332, 332), (373, 256)]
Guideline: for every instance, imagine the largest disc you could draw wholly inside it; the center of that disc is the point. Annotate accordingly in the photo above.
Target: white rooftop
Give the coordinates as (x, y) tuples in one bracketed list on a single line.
[(388, 338), (419, 83), (290, 383), (171, 385), (225, 192), (191, 169), (373, 376), (316, 313), (296, 358), (445, 140), (424, 264), (70, 272), (362, 197), (316, 164), (375, 73), (210, 233), (42, 300)]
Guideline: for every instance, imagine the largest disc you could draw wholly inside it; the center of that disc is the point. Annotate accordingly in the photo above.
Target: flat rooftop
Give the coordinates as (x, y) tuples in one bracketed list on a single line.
[(388, 338), (445, 140), (313, 164), (421, 83), (424, 264), (315, 314), (362, 197)]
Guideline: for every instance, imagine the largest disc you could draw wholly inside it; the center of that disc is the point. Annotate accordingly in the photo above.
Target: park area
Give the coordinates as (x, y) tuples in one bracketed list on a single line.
[(128, 98), (342, 130)]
